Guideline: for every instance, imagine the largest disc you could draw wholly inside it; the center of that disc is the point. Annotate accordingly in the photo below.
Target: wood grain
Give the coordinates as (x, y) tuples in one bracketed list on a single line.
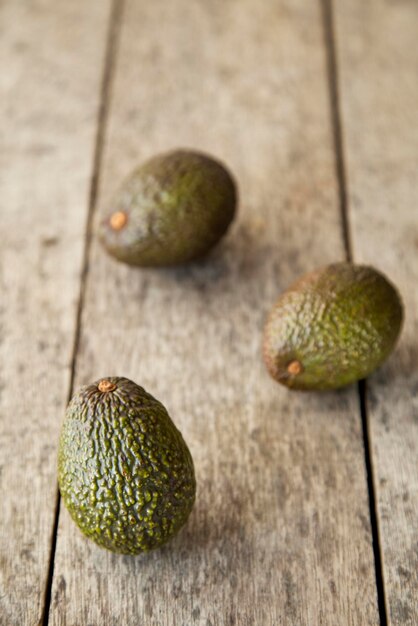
[(280, 533), (51, 58), (379, 94)]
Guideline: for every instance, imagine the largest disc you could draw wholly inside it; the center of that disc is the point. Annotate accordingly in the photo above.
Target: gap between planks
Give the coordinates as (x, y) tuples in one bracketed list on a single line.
[(341, 175), (112, 41)]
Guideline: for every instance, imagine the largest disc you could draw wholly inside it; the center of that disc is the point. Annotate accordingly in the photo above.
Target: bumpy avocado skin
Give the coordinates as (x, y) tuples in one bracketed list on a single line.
[(177, 207), (124, 470), (337, 324)]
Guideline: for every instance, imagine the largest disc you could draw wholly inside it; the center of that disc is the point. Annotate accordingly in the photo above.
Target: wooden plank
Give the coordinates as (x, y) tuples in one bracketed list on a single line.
[(280, 533), (51, 58), (379, 91)]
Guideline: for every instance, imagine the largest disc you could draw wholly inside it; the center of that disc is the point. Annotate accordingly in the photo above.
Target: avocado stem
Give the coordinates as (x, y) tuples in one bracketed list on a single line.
[(118, 220), (294, 368), (105, 385)]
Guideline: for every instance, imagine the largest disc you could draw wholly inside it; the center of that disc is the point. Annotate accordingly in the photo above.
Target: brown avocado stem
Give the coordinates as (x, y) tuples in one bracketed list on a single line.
[(118, 220), (294, 368), (105, 386)]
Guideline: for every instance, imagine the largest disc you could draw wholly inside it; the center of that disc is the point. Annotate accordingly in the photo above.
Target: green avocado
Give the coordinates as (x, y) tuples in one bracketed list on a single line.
[(125, 473), (171, 210), (332, 327)]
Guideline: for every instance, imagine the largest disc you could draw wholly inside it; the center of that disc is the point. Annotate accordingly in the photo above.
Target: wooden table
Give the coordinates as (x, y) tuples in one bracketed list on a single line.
[(307, 508)]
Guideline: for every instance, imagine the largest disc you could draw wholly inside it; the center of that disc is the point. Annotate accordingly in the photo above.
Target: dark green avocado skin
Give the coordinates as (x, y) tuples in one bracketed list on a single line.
[(339, 323), (125, 473), (178, 206)]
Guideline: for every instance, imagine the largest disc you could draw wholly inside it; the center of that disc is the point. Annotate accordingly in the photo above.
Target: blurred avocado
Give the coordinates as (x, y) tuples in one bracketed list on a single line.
[(171, 210), (332, 327)]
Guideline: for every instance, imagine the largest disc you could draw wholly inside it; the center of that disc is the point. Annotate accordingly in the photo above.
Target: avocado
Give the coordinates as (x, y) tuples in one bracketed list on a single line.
[(332, 327), (171, 210), (124, 471)]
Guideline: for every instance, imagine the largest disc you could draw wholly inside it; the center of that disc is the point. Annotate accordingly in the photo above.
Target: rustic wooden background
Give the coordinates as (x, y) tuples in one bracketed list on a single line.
[(307, 509)]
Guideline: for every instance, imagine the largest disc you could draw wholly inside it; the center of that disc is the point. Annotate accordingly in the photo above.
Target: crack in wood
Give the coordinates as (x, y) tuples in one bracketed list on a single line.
[(115, 21)]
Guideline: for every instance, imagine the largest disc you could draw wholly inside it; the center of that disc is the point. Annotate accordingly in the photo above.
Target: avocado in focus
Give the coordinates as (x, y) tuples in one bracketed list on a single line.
[(171, 210), (332, 327), (124, 470)]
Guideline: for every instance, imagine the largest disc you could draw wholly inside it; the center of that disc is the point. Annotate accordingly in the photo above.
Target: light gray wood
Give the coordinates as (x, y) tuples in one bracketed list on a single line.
[(378, 55), (51, 56), (280, 533)]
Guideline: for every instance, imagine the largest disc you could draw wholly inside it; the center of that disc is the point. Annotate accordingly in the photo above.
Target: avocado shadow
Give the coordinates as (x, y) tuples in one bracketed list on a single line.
[(205, 538), (237, 257), (398, 372)]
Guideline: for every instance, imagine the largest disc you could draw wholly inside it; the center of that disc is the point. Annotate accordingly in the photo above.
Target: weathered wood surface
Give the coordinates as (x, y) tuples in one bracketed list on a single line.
[(51, 55), (280, 533), (378, 55)]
